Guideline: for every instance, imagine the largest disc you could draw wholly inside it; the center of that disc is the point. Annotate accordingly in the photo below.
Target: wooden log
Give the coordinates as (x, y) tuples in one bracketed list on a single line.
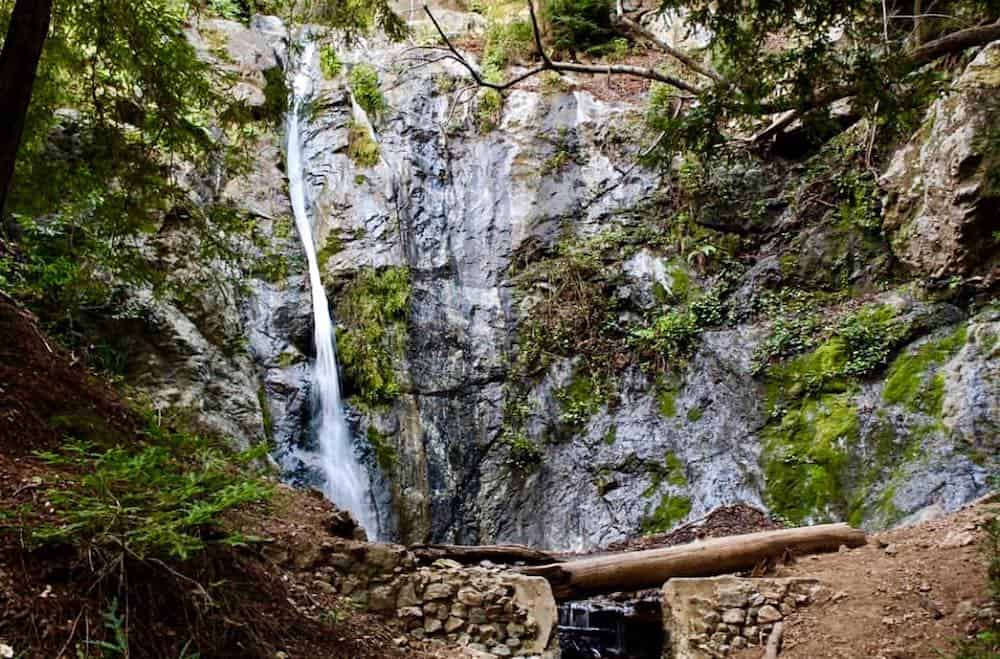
[(774, 641), (637, 570), (464, 554)]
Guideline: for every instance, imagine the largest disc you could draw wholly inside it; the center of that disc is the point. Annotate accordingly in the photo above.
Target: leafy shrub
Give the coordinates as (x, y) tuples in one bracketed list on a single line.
[(373, 311), (161, 498), (365, 88), (870, 336), (329, 63), (506, 42), (578, 25), (670, 337)]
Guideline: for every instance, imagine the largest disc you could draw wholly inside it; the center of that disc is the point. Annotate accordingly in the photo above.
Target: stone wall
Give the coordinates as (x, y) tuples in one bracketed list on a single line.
[(709, 618), (485, 608)]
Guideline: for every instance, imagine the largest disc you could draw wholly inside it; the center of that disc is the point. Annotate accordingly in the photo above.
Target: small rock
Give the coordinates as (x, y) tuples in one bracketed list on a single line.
[(501, 651), (446, 564), (453, 624), (768, 614), (957, 539), (438, 591), (470, 597), (891, 549), (432, 625), (734, 616), (739, 643), (733, 599), (477, 616)]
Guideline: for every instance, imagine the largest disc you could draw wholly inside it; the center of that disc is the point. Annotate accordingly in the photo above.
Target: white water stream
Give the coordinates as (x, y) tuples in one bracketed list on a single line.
[(346, 481)]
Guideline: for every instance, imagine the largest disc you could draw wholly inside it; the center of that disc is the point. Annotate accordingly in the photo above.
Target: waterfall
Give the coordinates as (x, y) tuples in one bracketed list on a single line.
[(345, 479)]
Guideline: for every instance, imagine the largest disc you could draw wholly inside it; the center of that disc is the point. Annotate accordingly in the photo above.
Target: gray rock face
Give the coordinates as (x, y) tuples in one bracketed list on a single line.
[(458, 208), (942, 202)]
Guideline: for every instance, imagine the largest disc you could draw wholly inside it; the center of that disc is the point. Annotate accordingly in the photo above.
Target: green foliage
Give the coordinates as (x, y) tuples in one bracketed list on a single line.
[(507, 42), (793, 331), (577, 25), (581, 398), (162, 497), (361, 148), (488, 110), (364, 84), (233, 10), (373, 312), (694, 414), (114, 622), (329, 63), (523, 454), (670, 338), (870, 336), (911, 381), (860, 344)]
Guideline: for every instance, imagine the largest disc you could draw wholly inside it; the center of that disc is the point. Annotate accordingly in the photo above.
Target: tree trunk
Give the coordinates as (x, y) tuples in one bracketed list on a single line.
[(473, 554), (29, 26), (650, 568)]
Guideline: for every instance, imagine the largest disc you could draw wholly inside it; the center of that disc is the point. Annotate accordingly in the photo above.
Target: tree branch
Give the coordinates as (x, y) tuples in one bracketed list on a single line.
[(648, 73)]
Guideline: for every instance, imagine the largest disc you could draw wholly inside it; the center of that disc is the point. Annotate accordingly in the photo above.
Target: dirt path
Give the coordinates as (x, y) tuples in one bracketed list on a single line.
[(906, 595)]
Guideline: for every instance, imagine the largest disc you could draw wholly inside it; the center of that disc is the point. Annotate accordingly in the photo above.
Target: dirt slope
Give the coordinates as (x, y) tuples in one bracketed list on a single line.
[(906, 595)]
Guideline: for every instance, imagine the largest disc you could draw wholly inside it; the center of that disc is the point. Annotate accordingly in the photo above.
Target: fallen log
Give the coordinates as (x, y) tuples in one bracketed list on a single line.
[(505, 554), (637, 570)]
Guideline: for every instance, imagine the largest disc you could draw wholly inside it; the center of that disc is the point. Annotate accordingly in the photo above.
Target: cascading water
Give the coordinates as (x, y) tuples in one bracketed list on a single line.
[(345, 480)]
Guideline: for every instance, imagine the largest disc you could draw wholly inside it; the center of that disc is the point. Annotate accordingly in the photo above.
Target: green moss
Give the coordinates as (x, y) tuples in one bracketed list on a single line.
[(333, 246), (385, 452), (361, 148), (611, 436), (580, 399), (860, 344), (373, 313), (909, 382), (806, 455), (666, 397), (694, 414), (671, 510), (670, 472)]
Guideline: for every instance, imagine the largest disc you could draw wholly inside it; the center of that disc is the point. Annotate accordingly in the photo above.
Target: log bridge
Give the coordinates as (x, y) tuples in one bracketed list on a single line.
[(580, 577)]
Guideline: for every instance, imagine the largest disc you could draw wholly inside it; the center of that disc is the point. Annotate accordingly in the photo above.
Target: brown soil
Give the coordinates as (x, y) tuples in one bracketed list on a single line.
[(908, 594), (230, 602)]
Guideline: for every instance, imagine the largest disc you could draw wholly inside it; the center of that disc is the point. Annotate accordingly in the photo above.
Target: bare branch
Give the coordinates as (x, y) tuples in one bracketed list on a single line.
[(648, 73)]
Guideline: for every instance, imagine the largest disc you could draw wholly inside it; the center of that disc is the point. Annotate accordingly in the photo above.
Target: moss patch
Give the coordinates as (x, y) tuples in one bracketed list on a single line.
[(666, 396), (671, 510), (806, 456), (361, 148), (911, 381)]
